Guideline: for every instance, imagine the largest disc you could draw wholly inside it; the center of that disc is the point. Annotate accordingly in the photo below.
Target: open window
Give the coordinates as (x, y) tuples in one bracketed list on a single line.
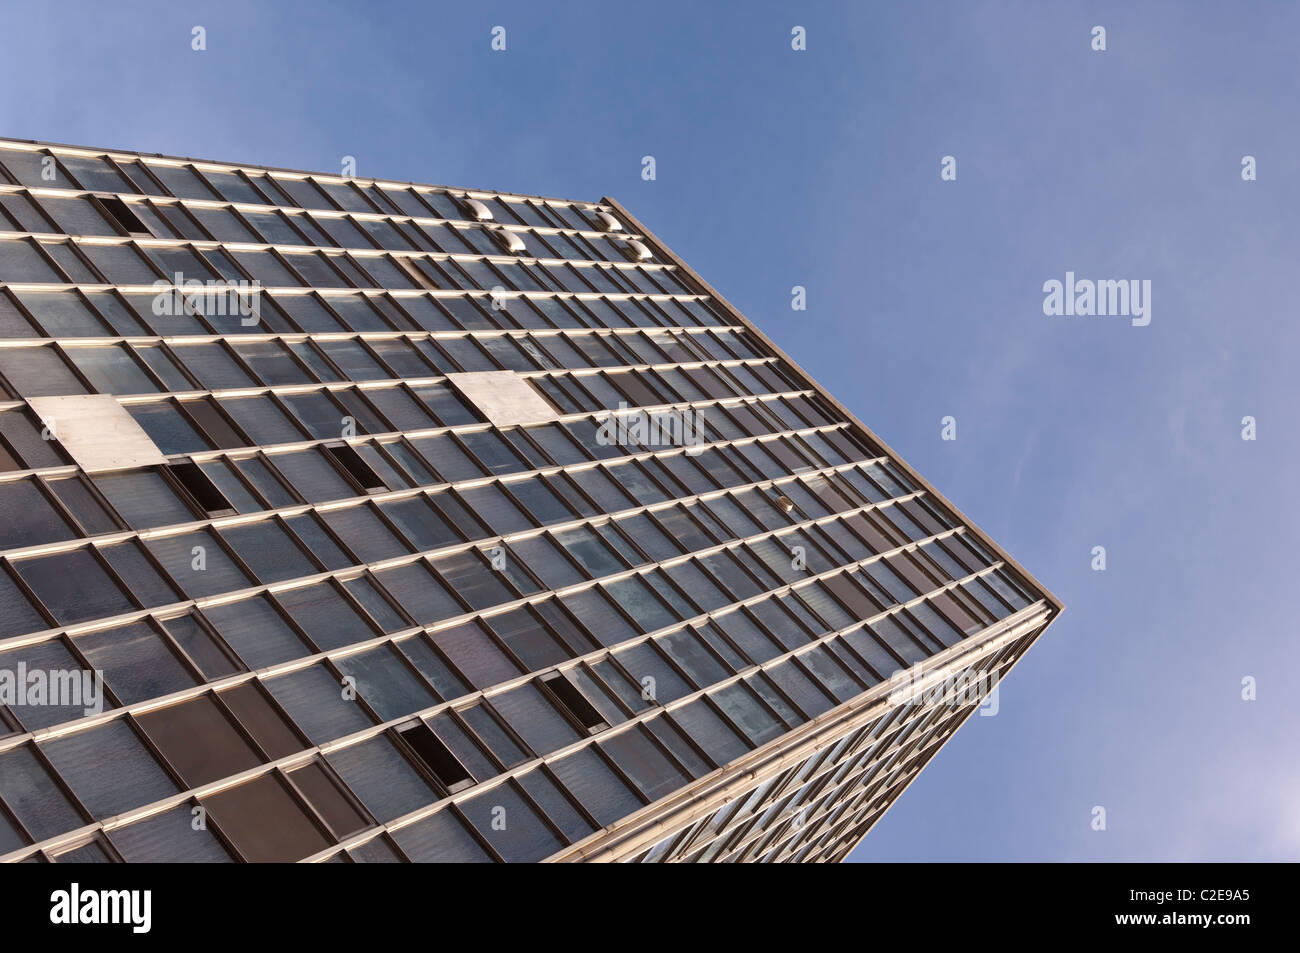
[(436, 757), (201, 489), (571, 699), (347, 457), (122, 215)]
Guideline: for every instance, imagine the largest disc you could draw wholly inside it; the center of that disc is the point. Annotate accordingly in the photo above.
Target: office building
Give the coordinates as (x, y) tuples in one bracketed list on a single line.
[(354, 520)]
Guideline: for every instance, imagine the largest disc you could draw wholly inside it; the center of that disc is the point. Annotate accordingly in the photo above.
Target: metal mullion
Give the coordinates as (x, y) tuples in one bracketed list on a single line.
[(238, 474), (165, 349), (602, 685), (433, 492), (485, 703), (9, 814), (354, 262), (313, 815), (54, 502), (589, 580)]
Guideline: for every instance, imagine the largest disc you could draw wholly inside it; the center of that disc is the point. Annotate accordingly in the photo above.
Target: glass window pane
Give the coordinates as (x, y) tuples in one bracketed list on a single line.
[(31, 792), (265, 823), (596, 787), (256, 632), (109, 769), (136, 662), (327, 618), (513, 828), (74, 586), (198, 564), (314, 699), (168, 837), (382, 778), (223, 750), (387, 685), (27, 517)]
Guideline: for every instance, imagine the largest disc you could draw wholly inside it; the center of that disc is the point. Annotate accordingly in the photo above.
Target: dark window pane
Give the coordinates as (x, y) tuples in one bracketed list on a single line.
[(27, 517), (440, 839), (221, 753), (642, 761), (387, 685), (37, 712), (268, 551), (264, 821), (327, 618), (534, 719), (198, 564), (595, 786), (143, 498), (256, 632)]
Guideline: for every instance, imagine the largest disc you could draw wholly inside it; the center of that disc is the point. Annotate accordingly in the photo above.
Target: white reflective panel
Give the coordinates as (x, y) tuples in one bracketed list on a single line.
[(503, 397), (510, 241), (477, 209), (97, 432)]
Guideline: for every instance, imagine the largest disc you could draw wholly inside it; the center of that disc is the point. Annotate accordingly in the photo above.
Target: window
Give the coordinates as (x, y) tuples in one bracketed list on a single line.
[(168, 837), (31, 792), (573, 701), (122, 215), (223, 752), (386, 683), (137, 661), (268, 550), (109, 768), (313, 698), (74, 586), (201, 488), (265, 822), (325, 615), (348, 458), (475, 654), (256, 632), (640, 758), (441, 838), (525, 838), (534, 718), (595, 786), (27, 517), (381, 776), (436, 757), (198, 563)]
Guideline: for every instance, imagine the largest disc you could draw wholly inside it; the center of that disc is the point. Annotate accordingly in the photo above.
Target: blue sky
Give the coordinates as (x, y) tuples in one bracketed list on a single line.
[(821, 168)]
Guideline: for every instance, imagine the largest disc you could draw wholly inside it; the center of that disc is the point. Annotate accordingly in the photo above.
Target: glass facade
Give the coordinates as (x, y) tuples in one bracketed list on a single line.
[(353, 613)]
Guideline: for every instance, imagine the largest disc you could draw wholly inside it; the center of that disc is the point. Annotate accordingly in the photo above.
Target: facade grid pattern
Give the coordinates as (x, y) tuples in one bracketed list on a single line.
[(346, 618)]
